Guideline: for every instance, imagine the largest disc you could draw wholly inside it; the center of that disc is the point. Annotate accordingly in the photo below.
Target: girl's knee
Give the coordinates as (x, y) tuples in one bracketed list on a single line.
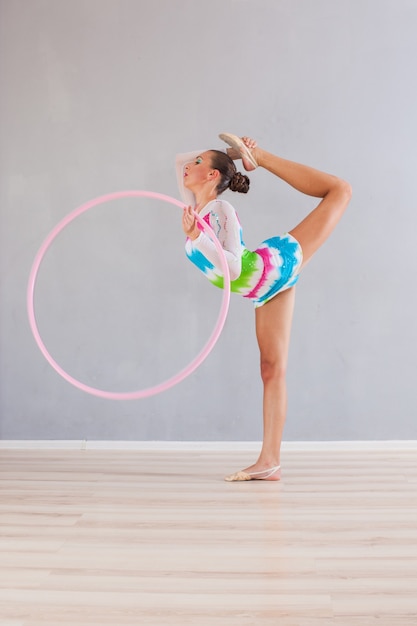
[(272, 370)]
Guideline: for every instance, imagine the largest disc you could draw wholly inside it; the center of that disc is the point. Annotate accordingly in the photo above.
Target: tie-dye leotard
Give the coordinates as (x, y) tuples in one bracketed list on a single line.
[(259, 275)]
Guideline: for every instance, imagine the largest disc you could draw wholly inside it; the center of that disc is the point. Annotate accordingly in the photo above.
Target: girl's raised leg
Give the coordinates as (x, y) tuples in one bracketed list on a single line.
[(313, 231)]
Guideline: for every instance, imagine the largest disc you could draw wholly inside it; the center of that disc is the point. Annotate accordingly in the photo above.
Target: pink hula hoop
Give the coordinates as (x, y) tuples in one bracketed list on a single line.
[(182, 374)]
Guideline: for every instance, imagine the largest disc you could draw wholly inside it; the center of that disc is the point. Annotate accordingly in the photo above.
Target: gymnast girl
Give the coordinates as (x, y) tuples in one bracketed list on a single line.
[(267, 275)]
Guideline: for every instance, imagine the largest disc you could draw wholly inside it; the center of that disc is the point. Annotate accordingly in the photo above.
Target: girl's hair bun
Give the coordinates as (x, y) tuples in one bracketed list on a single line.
[(240, 183), (229, 177)]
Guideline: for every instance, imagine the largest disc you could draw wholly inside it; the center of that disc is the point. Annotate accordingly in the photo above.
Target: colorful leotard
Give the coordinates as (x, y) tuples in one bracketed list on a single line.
[(259, 275)]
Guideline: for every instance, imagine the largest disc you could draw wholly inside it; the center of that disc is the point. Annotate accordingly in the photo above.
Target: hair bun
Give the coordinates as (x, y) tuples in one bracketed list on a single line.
[(240, 183)]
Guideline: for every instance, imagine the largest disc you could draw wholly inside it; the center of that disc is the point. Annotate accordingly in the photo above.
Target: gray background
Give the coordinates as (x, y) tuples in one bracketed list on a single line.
[(98, 96)]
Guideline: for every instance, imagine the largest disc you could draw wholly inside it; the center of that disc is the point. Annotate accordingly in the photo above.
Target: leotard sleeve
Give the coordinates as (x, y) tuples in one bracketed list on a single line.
[(225, 224), (222, 219)]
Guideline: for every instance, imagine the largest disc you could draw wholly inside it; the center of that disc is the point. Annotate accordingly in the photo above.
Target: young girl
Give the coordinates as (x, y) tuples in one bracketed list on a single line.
[(266, 275)]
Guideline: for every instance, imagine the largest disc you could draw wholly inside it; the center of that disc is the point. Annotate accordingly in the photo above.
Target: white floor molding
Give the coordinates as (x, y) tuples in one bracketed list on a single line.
[(208, 446)]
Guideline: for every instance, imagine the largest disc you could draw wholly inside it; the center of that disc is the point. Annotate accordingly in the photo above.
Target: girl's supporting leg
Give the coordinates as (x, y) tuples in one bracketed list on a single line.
[(273, 328)]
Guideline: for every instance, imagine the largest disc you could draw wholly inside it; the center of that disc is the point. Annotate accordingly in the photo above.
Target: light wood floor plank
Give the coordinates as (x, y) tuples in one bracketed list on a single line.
[(98, 538)]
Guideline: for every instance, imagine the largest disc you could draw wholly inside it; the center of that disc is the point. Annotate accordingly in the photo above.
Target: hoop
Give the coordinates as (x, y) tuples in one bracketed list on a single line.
[(182, 374)]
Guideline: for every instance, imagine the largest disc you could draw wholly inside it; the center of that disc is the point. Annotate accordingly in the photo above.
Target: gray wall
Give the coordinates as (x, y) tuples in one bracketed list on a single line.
[(98, 96)]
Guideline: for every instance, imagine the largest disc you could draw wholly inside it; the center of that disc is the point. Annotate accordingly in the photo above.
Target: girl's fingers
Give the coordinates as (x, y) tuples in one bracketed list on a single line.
[(188, 214), (188, 220), (250, 143)]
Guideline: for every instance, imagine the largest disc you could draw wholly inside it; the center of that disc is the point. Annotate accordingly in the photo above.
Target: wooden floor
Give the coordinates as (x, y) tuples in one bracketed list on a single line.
[(158, 538)]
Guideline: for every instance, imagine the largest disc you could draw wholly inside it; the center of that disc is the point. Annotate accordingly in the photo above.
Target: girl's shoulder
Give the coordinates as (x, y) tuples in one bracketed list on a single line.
[(220, 205)]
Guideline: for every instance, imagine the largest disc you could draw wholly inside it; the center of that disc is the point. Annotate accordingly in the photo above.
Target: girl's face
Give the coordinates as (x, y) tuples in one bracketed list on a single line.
[(198, 171)]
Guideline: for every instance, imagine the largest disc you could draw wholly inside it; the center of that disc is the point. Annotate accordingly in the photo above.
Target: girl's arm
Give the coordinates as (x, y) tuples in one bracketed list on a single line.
[(226, 227)]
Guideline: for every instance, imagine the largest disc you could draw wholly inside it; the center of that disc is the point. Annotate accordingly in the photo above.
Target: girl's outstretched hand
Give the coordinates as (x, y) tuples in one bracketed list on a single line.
[(249, 143), (189, 223)]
